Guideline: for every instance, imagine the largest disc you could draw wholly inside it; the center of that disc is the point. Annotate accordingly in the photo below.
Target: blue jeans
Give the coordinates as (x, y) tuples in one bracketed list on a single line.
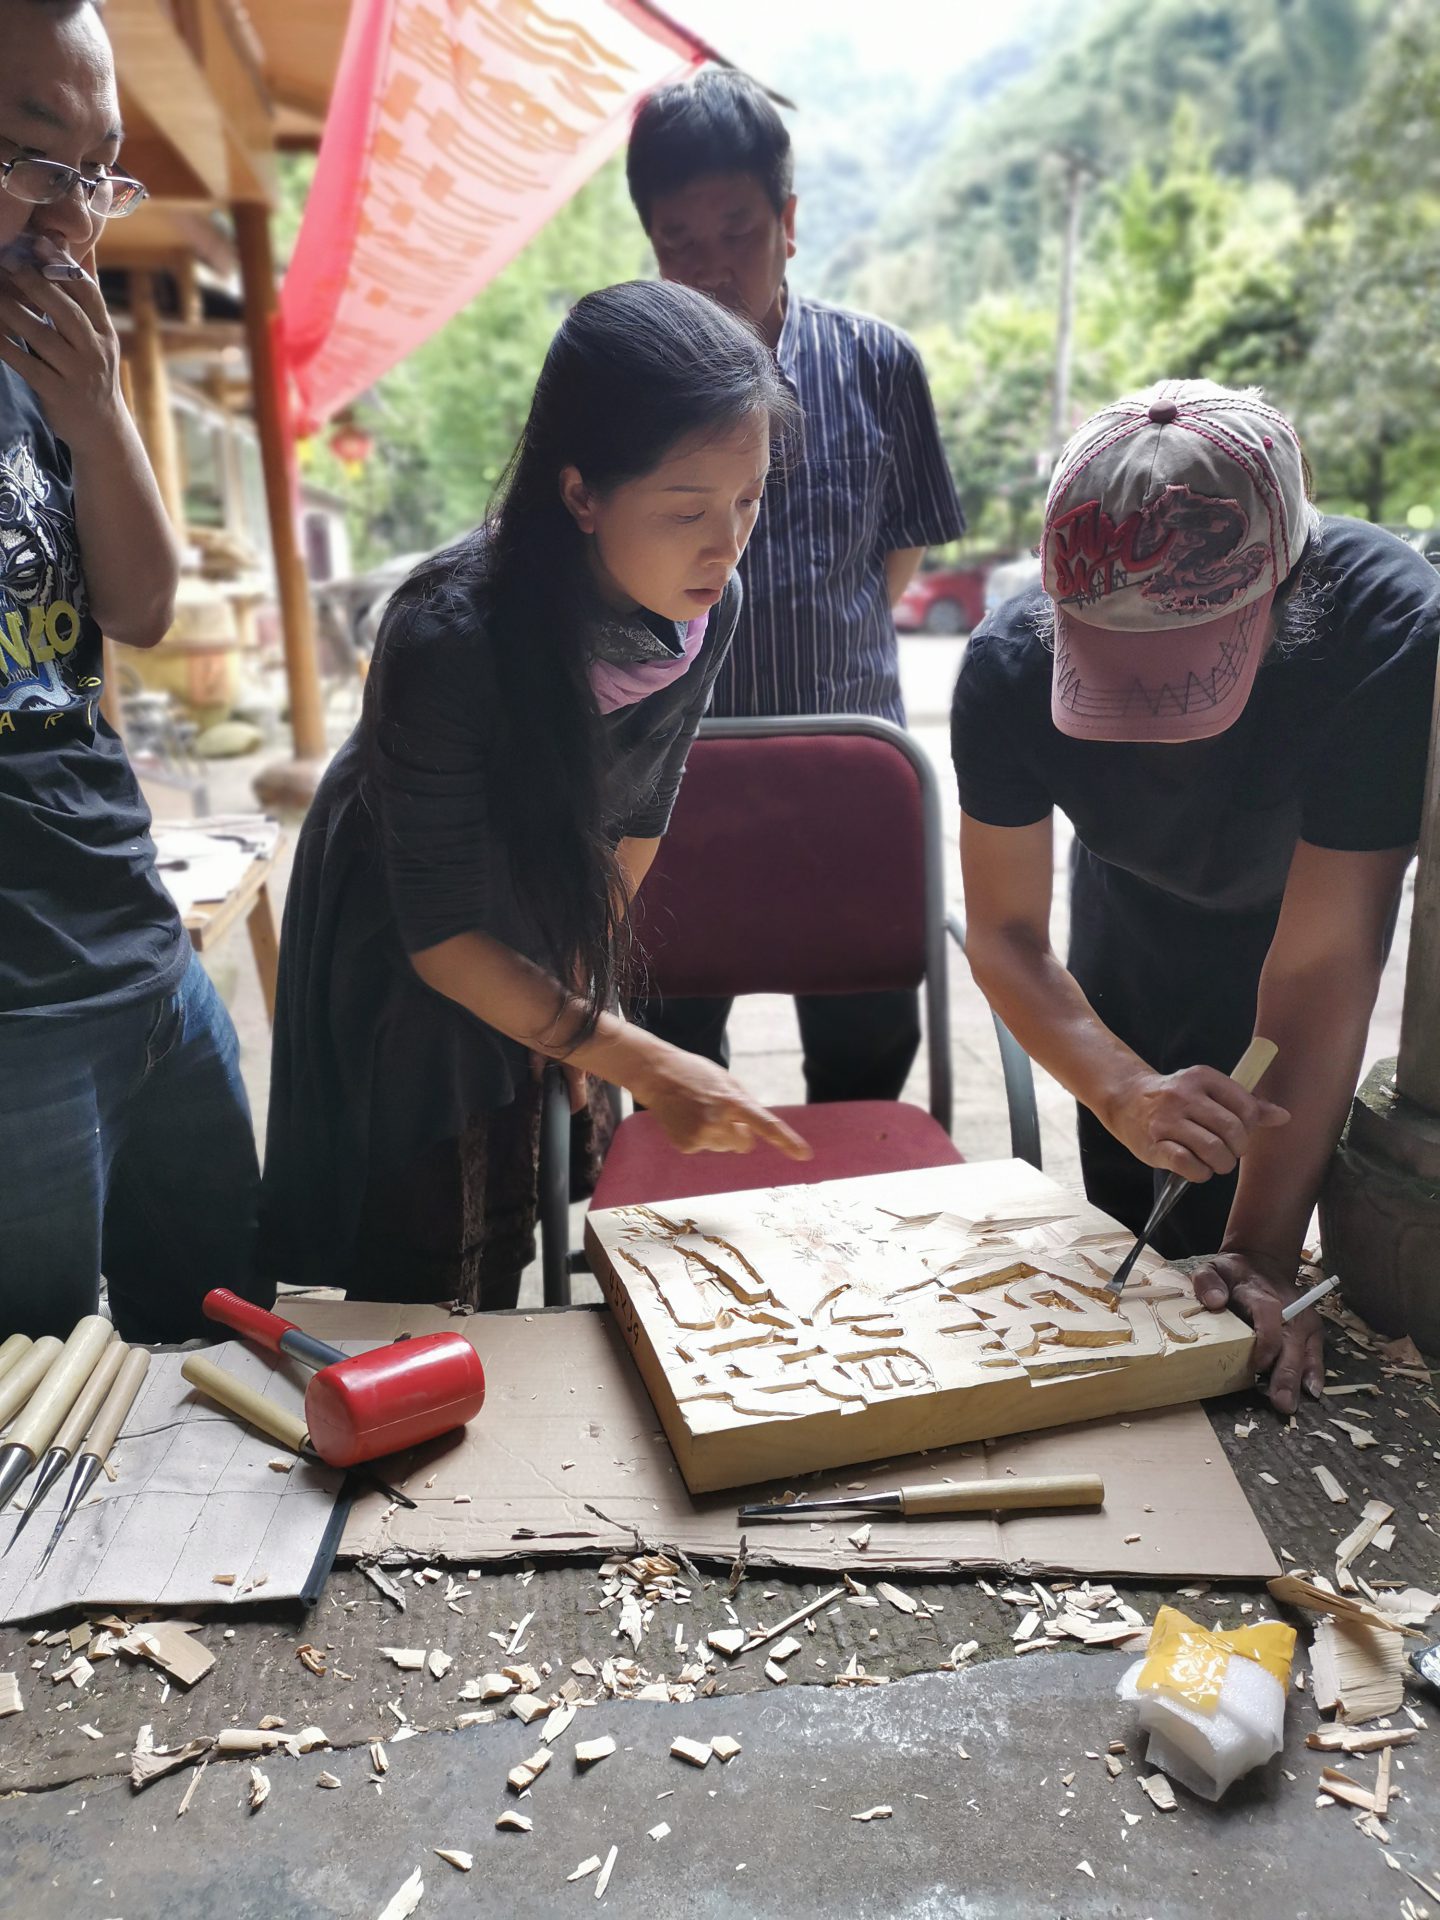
[(125, 1149)]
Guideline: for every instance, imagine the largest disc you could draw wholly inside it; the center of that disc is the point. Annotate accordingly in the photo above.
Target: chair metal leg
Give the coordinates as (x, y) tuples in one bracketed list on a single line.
[(1018, 1072), (555, 1188)]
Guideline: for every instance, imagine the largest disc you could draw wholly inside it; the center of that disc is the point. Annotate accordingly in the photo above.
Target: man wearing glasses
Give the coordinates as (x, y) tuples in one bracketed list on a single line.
[(125, 1141)]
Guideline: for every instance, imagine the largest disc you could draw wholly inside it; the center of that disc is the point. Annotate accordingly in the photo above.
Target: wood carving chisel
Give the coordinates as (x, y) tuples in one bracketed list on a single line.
[(25, 1376), (966, 1496), (46, 1407), (104, 1430), (238, 1396), (72, 1431), (1249, 1071)]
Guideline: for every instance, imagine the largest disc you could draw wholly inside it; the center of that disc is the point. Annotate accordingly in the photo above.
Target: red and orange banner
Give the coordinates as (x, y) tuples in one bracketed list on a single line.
[(457, 128)]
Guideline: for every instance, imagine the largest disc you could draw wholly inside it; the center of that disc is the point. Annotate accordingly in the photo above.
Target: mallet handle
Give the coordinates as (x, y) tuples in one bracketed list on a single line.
[(267, 1328), (239, 1397)]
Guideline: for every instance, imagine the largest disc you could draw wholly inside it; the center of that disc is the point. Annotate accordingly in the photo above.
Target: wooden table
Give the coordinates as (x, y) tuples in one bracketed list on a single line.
[(209, 921)]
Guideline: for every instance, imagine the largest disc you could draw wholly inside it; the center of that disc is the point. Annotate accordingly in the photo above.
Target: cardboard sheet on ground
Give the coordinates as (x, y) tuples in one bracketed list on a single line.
[(194, 1495), (567, 1457)]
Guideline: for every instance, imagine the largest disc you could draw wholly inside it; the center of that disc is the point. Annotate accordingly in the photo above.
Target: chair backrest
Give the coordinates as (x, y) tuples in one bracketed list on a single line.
[(804, 856)]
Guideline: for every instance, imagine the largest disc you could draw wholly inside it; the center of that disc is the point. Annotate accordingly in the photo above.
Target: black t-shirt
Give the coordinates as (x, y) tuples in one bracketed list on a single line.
[(1330, 748), (84, 920)]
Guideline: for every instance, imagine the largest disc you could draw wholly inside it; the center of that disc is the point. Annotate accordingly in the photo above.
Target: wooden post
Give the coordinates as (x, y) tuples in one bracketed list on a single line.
[(257, 274), (1417, 1072), (150, 384)]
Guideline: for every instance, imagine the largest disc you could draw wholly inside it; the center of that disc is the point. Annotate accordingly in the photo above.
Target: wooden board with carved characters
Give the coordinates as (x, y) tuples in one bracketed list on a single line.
[(792, 1328)]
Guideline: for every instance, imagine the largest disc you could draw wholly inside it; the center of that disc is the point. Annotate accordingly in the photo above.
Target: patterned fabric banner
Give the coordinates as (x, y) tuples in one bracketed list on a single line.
[(456, 130)]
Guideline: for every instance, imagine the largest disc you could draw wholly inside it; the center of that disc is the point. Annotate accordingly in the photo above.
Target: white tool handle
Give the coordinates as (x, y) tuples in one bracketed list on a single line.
[(1254, 1063), (13, 1352), (56, 1394), (107, 1423), (76, 1423), (22, 1379)]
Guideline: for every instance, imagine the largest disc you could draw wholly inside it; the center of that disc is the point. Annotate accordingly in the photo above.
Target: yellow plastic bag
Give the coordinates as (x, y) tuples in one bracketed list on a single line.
[(1188, 1661)]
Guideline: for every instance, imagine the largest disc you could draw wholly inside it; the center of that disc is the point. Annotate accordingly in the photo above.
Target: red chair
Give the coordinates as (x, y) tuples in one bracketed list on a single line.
[(804, 856)]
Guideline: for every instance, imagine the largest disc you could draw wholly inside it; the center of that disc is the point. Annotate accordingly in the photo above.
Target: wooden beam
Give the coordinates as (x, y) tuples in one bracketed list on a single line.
[(257, 273), (151, 386)]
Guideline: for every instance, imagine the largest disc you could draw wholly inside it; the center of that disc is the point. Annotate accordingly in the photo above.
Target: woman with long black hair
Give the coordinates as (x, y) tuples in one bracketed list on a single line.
[(459, 904)]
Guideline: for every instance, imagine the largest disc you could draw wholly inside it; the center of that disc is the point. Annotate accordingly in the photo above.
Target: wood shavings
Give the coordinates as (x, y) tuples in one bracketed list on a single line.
[(512, 1822), (280, 1466), (898, 1598), (874, 1813), (149, 1763), (727, 1640), (223, 1579), (438, 1663), (312, 1659), (1357, 1435), (455, 1857), (588, 1752), (378, 1578), (528, 1707), (605, 1872), (775, 1673), (403, 1902), (91, 1733), (529, 1771), (1343, 1739), (172, 1646), (785, 1649), (724, 1747), (695, 1752), (767, 1634), (490, 1686), (379, 1759), (860, 1538), (10, 1701), (259, 1789), (1331, 1486), (1339, 1786), (557, 1721), (1357, 1669), (1382, 1784), (660, 1832), (1372, 1519), (1084, 1866), (191, 1790), (586, 1867), (408, 1659), (1158, 1790), (331, 1780), (79, 1673)]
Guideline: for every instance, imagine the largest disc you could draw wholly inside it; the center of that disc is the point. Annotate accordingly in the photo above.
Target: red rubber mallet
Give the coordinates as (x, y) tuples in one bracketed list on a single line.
[(363, 1405)]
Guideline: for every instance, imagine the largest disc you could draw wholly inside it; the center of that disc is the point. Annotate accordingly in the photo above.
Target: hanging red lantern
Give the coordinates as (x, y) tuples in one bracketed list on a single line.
[(351, 444)]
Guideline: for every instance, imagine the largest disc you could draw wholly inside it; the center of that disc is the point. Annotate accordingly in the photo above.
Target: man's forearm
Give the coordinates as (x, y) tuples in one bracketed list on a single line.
[(127, 545), (901, 566), (1319, 1022), (1042, 1004)]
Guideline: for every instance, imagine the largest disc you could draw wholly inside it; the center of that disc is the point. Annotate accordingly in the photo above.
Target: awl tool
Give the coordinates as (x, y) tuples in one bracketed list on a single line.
[(13, 1352), (965, 1496), (239, 1397), (37, 1423), (72, 1431), (1250, 1070), (104, 1430)]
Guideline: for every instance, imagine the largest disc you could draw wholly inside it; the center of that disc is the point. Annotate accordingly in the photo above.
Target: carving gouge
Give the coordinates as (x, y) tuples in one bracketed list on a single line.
[(1249, 1071), (73, 1430), (238, 1396), (45, 1408), (104, 1430), (963, 1496)]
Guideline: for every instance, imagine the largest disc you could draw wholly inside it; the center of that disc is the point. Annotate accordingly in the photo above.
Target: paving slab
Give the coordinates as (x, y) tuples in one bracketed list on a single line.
[(1001, 1832)]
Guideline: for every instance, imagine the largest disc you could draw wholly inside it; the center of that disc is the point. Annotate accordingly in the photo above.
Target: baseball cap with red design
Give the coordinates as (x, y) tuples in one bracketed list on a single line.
[(1172, 518)]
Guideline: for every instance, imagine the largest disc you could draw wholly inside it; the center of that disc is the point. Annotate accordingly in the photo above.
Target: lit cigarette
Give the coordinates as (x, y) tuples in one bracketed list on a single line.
[(1317, 1292)]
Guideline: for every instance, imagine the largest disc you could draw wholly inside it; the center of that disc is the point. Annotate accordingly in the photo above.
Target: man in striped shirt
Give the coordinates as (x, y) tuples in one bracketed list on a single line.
[(839, 536)]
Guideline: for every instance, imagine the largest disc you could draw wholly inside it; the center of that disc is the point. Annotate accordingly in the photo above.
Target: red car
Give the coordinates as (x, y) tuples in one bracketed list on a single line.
[(942, 600)]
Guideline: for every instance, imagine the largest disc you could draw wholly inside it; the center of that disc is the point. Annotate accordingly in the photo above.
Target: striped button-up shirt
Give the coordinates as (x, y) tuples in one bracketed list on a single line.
[(816, 634)]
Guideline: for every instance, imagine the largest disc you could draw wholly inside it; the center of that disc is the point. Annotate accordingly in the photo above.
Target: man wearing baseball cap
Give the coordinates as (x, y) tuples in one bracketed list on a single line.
[(1228, 695)]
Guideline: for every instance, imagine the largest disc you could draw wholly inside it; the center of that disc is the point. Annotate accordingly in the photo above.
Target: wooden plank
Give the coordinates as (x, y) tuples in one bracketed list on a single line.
[(857, 1319)]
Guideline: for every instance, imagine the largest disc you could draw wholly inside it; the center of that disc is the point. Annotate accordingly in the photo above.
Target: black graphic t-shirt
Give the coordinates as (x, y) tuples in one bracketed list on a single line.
[(1330, 747), (84, 920)]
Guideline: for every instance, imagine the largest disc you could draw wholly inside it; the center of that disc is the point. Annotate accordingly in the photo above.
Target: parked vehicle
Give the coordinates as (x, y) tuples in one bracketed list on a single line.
[(942, 600)]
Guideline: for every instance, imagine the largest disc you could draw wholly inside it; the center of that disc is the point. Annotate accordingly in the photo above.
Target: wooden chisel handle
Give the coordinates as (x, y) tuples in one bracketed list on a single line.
[(239, 1397), (76, 1424), (992, 1496), (1254, 1063), (47, 1407), (105, 1427), (23, 1378), (13, 1352)]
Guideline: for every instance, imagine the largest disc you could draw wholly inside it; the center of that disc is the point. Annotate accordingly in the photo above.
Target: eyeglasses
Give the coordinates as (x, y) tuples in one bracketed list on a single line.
[(43, 182)]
